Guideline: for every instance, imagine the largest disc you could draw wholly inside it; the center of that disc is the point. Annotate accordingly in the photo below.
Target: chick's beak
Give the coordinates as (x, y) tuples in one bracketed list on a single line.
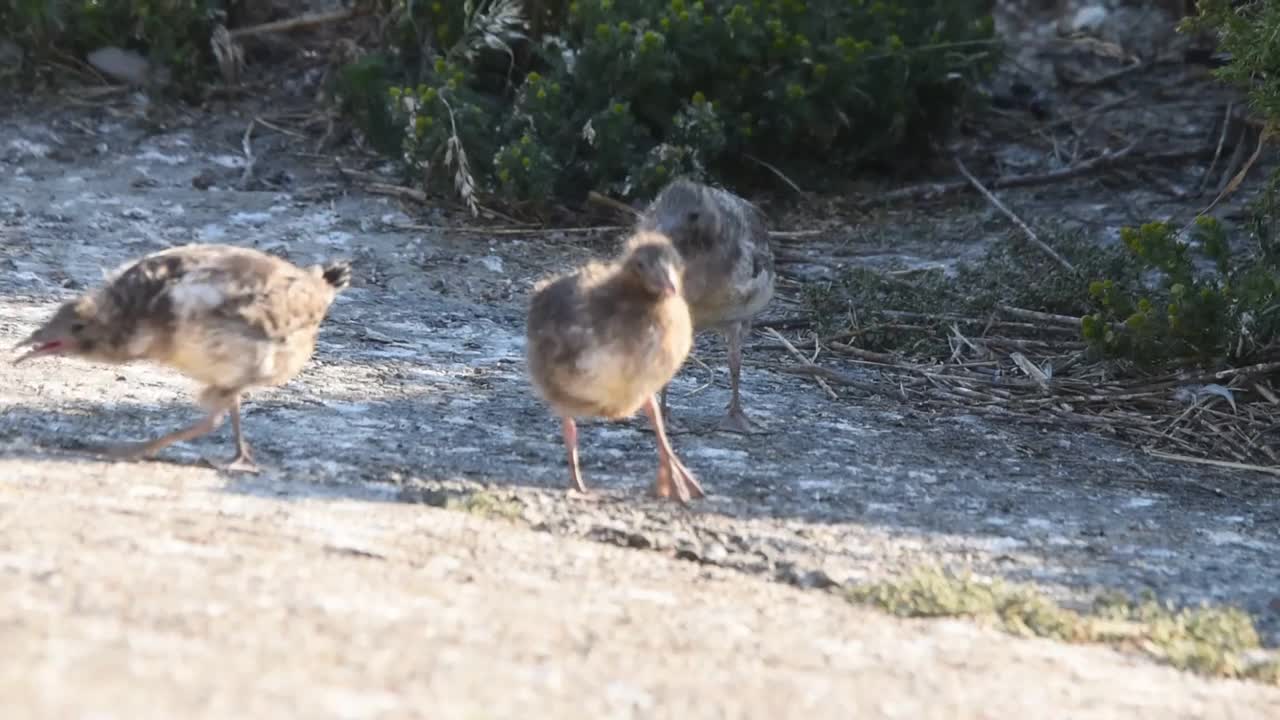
[(37, 347)]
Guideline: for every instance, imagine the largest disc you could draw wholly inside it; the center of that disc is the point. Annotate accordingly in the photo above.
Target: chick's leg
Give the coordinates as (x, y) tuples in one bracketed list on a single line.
[(132, 451), (673, 426), (735, 420), (673, 476), (243, 460), (570, 431)]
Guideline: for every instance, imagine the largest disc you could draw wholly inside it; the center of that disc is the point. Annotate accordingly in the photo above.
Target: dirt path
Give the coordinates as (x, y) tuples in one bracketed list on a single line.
[(196, 586), (137, 592)]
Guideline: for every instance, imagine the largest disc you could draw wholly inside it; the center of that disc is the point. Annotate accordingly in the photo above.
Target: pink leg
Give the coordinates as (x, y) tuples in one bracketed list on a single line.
[(735, 420), (147, 449), (570, 430), (673, 426), (243, 460), (673, 476)]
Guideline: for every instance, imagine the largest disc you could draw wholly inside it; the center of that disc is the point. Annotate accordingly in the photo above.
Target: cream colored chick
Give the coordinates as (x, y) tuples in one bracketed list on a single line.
[(604, 339), (231, 318)]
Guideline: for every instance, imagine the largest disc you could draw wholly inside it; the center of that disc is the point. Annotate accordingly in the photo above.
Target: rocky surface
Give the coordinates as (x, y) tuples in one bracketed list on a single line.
[(173, 590), (146, 592)]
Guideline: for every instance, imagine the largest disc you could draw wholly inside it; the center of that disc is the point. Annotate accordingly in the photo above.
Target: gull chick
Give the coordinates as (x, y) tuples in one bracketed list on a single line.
[(603, 340), (231, 318), (729, 276)]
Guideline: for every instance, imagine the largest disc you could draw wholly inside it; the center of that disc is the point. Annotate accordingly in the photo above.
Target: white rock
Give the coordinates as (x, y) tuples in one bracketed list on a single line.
[(124, 65), (1089, 18)]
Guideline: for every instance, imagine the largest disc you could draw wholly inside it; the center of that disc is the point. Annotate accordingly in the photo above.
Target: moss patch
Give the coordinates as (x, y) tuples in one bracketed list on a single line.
[(1214, 641), (485, 504)]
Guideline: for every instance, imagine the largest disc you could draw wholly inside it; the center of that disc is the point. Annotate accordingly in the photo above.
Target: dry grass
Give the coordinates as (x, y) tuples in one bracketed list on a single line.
[(1032, 366)]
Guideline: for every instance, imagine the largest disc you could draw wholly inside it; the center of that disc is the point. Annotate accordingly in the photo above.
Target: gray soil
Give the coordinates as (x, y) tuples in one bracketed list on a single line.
[(328, 586)]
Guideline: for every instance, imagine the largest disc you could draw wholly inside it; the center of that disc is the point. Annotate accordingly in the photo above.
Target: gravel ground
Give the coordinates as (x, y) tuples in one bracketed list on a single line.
[(327, 588)]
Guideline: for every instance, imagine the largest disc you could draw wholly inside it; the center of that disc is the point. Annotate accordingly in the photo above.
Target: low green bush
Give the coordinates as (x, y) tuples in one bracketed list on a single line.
[(1250, 34), (1201, 307), (173, 34), (623, 95)]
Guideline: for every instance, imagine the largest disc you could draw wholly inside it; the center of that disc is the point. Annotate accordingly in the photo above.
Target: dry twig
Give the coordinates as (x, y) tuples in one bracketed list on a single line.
[(773, 169), (507, 230), (608, 202), (399, 191), (1217, 151), (295, 23), (1031, 234), (246, 144), (1238, 178), (803, 360), (933, 191), (1214, 463)]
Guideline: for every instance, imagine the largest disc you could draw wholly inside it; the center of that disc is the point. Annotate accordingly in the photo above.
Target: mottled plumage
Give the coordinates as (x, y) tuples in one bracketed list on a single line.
[(729, 268), (231, 318), (603, 340)]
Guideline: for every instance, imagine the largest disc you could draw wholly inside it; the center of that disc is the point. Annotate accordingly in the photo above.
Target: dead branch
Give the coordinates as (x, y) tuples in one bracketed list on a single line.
[(405, 193), (1031, 234), (295, 23), (932, 191), (1238, 178), (507, 230), (1064, 320), (617, 205), (1214, 463), (246, 144), (1217, 152), (822, 374), (803, 359), (868, 355), (773, 169)]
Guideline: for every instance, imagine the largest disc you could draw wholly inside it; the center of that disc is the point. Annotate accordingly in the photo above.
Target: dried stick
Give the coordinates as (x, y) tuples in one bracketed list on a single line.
[(1229, 372), (1064, 320), (818, 373), (279, 129), (934, 190), (606, 201), (1031, 234), (1238, 178), (868, 355), (246, 144), (803, 360), (1214, 463), (295, 23), (771, 168), (483, 230), (404, 193), (1217, 152)]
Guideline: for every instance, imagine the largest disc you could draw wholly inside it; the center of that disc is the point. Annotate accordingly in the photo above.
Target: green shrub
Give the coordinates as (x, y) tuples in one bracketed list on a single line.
[(1248, 32), (173, 34), (1155, 299), (623, 95), (1202, 307)]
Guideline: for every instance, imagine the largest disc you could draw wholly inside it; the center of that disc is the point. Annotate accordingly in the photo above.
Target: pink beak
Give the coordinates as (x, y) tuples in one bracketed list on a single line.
[(45, 348)]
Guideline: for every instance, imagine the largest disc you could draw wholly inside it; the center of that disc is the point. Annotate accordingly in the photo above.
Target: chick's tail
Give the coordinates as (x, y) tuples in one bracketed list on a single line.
[(337, 274)]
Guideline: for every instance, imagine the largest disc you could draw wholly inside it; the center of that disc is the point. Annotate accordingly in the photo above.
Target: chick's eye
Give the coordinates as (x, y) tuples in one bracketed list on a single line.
[(77, 327)]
